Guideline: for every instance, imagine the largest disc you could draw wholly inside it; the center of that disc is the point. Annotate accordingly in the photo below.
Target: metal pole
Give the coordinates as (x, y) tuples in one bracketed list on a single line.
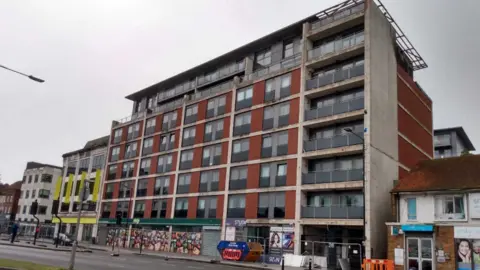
[(75, 242), (58, 232), (36, 227)]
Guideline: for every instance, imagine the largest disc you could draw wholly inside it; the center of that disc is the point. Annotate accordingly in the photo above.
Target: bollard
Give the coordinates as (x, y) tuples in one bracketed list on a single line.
[(310, 264), (283, 263)]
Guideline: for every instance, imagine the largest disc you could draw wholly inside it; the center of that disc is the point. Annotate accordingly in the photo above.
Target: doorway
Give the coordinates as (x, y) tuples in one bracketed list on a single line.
[(419, 253)]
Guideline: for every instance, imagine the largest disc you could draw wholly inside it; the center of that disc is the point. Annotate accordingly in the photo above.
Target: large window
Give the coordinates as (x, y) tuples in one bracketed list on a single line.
[(275, 144), (147, 146), (164, 163), (112, 172), (188, 136), (412, 208), (142, 187), (150, 126), (162, 186), (46, 178), (287, 48), (450, 207), (271, 205), (98, 162), (169, 120), (109, 191), (216, 106), (133, 131), (240, 150), (122, 209), (242, 124), (117, 135), (125, 189), (183, 186), (128, 169), (167, 142), (44, 193), (159, 209), (236, 206), (209, 181), (115, 153), (263, 59), (131, 150), (213, 131), (145, 166), (273, 174), (83, 167), (186, 160), (207, 207), (238, 178), (276, 116), (244, 98), (139, 209), (181, 208), (212, 155), (278, 87), (191, 113), (106, 208)]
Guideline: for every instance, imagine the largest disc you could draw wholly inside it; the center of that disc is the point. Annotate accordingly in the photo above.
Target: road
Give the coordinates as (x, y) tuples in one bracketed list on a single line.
[(102, 260)]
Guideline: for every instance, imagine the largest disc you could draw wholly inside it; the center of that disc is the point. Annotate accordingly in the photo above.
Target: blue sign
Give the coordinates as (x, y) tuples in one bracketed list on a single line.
[(417, 228), (238, 223), (233, 251), (272, 259)]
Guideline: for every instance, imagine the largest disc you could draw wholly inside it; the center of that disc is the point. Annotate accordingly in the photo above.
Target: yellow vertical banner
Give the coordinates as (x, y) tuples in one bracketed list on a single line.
[(96, 187), (58, 188), (82, 181), (69, 188)]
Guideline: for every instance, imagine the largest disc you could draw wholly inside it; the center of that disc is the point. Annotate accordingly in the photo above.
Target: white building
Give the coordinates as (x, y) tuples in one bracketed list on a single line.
[(37, 185)]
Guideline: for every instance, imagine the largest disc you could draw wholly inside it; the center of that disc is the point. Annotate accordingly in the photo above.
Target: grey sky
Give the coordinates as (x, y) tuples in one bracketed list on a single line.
[(93, 53)]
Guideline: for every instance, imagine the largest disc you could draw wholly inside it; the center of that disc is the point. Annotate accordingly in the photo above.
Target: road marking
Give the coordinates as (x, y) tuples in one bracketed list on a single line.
[(195, 267)]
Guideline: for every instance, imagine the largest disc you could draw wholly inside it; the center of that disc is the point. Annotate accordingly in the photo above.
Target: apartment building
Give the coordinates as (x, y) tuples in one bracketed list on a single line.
[(9, 196), (451, 142), (299, 134), (437, 209), (82, 167), (37, 185)]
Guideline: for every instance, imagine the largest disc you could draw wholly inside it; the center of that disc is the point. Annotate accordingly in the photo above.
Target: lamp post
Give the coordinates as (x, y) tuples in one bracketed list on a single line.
[(125, 187), (349, 130), (31, 77)]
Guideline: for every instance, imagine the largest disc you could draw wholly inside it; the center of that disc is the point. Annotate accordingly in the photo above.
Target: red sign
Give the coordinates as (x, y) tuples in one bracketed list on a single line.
[(232, 254)]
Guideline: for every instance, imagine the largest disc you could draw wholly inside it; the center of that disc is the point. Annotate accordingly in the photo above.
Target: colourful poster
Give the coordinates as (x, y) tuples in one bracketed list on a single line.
[(186, 242), (464, 254), (153, 240)]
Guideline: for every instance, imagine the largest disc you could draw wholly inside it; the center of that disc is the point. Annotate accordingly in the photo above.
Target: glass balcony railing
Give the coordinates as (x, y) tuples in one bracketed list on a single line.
[(334, 77), (334, 109), (169, 106), (336, 46), (221, 73), (323, 177), (333, 212), (133, 117), (212, 90), (178, 90), (339, 15), (286, 63), (332, 142)]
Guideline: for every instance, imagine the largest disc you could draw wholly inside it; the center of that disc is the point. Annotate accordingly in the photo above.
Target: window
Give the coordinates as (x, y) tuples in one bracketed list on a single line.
[(112, 172), (122, 208), (412, 208), (273, 175), (263, 59), (147, 146), (207, 207), (278, 87), (159, 209), (450, 207), (188, 136), (125, 189), (133, 131), (276, 116), (244, 98), (169, 120), (115, 153), (44, 193), (117, 135), (139, 209), (24, 180), (24, 210), (209, 181), (46, 178), (33, 193), (212, 155), (142, 187), (127, 170), (164, 163), (181, 208), (162, 185), (236, 206), (213, 131), (145, 167), (106, 208), (216, 106), (275, 144), (167, 142), (287, 48), (238, 178), (98, 162), (36, 178), (150, 126), (242, 124), (184, 183), (191, 113), (42, 210), (109, 191), (240, 150), (186, 160), (131, 150)]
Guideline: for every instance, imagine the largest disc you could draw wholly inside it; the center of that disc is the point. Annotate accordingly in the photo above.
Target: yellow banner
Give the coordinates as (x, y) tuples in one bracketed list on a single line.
[(82, 181), (96, 187), (73, 220), (58, 188), (69, 188)]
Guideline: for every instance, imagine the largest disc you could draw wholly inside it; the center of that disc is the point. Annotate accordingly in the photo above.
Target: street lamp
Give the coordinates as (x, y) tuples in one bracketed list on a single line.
[(31, 77), (350, 130)]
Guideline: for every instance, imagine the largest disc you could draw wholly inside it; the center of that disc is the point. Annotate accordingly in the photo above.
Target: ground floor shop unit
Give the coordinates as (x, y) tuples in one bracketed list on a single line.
[(87, 230)]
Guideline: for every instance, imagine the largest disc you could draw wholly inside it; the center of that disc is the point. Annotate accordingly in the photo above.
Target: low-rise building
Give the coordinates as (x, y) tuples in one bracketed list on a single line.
[(9, 196), (437, 209)]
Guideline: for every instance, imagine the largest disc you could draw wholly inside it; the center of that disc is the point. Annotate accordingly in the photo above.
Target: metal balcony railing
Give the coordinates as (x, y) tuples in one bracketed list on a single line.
[(323, 177), (221, 73), (334, 109), (340, 15), (332, 142), (286, 63), (133, 117), (333, 212), (212, 90), (336, 46), (178, 90), (169, 106), (337, 76)]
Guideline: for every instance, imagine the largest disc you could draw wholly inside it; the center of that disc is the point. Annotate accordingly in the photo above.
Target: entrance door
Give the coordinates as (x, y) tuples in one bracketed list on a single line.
[(419, 253)]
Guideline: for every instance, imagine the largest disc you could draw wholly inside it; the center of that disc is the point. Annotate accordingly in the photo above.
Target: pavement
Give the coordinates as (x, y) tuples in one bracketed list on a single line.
[(128, 259)]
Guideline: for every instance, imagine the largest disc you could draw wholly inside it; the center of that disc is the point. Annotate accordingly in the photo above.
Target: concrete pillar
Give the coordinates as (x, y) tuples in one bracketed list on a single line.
[(80, 232), (249, 60)]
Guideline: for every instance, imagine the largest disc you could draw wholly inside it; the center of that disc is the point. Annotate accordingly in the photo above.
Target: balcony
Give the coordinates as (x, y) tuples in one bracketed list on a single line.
[(332, 142), (343, 19), (323, 177), (128, 119), (333, 212), (337, 50), (284, 64), (212, 90), (335, 109), (169, 106), (222, 73), (178, 90), (335, 77)]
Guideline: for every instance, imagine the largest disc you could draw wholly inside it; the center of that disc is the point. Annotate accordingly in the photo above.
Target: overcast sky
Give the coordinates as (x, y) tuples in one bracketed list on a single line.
[(94, 53)]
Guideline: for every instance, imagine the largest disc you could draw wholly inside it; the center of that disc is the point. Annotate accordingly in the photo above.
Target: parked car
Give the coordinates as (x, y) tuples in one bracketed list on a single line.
[(64, 239)]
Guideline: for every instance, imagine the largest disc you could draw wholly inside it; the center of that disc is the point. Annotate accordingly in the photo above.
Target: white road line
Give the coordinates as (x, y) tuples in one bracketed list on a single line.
[(195, 267)]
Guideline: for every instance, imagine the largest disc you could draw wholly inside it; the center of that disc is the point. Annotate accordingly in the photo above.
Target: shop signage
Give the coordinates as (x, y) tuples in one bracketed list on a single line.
[(233, 251), (466, 232), (474, 205), (238, 223), (417, 228)]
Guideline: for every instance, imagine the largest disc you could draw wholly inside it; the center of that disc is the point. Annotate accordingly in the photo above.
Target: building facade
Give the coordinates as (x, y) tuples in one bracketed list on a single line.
[(451, 142), (37, 185), (437, 209), (81, 167), (299, 134), (9, 196)]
